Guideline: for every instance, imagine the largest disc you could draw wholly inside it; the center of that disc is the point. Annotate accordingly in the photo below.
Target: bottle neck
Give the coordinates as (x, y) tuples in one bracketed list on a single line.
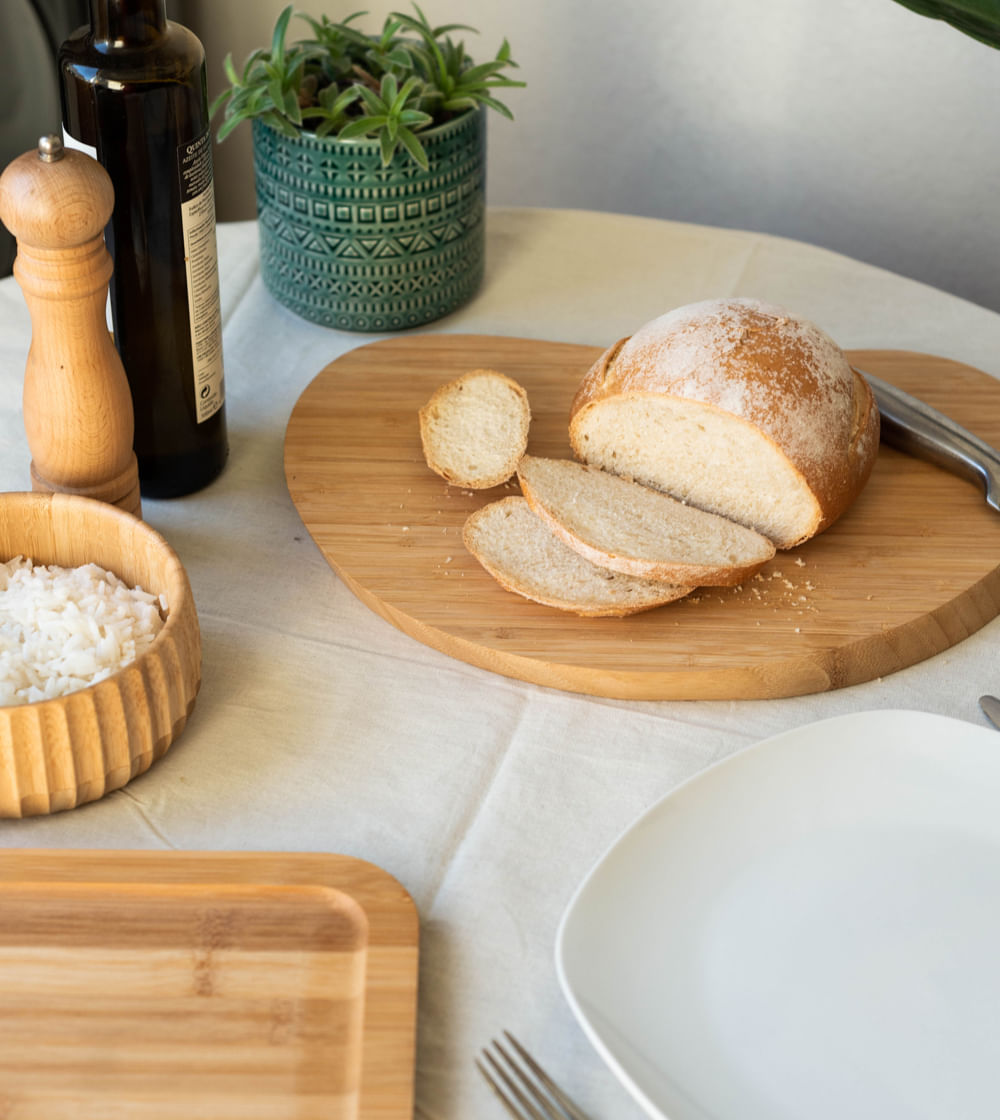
[(129, 23)]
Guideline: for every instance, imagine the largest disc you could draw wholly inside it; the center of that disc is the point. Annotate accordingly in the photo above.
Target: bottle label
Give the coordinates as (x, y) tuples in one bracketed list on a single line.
[(202, 260), (70, 141)]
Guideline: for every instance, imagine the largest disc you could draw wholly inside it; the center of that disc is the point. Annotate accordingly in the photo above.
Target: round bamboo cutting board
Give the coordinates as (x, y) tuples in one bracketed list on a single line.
[(910, 570)]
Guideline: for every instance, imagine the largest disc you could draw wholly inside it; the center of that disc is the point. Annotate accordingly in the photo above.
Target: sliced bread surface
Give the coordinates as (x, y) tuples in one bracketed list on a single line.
[(475, 429), (738, 407), (524, 556), (619, 524), (623, 525)]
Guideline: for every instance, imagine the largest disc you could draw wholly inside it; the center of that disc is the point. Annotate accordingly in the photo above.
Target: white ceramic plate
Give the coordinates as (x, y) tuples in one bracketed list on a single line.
[(810, 929)]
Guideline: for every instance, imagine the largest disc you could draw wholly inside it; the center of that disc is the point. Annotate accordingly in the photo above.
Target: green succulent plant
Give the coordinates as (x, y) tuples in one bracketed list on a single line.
[(344, 82), (978, 18)]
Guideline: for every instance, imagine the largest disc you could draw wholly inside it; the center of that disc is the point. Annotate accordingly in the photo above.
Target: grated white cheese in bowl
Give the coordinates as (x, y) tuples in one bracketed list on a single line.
[(62, 629)]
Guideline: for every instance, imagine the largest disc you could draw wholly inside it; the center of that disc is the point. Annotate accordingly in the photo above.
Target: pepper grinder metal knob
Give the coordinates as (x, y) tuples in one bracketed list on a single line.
[(77, 406)]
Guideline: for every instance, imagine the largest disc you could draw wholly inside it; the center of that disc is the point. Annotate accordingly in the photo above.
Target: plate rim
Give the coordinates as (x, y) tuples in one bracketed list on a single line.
[(917, 717)]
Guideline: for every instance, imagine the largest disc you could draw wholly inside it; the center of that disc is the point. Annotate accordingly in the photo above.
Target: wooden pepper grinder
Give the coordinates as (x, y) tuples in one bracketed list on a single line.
[(77, 406)]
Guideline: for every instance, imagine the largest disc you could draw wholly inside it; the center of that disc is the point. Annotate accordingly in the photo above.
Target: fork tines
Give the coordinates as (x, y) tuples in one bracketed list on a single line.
[(526, 1090)]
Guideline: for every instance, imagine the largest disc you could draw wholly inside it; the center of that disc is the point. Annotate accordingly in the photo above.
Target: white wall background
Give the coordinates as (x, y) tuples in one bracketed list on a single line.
[(854, 124)]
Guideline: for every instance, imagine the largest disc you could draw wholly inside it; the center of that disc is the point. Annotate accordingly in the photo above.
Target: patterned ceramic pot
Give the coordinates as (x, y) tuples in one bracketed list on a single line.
[(351, 244)]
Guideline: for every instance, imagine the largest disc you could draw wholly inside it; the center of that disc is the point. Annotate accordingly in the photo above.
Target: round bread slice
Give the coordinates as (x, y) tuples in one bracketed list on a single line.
[(475, 429), (619, 524), (522, 554), (735, 406)]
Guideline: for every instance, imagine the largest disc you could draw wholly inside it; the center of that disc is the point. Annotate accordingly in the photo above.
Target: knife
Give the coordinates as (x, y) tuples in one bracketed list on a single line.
[(991, 706), (914, 427)]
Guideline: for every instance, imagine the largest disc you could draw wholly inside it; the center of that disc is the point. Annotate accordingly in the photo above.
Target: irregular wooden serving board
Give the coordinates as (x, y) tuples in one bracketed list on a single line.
[(911, 569), (174, 985)]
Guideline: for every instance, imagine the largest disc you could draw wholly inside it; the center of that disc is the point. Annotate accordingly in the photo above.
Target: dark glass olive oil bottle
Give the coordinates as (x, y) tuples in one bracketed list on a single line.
[(134, 95)]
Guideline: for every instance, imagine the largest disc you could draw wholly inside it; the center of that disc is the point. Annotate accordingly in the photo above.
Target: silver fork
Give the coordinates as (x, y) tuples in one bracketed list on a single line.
[(526, 1090)]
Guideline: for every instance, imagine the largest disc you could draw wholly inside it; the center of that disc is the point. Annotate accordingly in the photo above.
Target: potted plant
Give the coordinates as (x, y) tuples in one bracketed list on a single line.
[(369, 162)]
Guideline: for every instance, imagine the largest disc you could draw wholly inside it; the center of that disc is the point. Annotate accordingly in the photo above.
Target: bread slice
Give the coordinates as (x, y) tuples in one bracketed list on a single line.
[(523, 555), (735, 406), (619, 524), (475, 429)]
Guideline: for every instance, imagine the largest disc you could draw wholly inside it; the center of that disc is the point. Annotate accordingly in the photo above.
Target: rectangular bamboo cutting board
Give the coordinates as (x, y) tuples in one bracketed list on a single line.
[(222, 986), (911, 569)]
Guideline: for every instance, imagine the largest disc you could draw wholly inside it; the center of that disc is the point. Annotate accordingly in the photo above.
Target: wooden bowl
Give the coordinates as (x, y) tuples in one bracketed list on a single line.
[(60, 753)]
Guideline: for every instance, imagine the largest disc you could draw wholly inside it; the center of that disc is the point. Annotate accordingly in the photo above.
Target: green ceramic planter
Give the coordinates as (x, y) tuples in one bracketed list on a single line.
[(351, 244)]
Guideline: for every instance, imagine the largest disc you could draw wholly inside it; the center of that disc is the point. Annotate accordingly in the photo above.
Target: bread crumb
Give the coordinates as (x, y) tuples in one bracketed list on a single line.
[(800, 562), (406, 528)]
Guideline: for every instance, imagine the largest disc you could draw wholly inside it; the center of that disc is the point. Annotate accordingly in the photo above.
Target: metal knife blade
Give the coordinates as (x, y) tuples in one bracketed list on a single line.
[(914, 427), (991, 706)]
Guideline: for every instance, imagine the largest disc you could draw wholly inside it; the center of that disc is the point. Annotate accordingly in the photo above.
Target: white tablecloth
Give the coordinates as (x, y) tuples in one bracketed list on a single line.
[(319, 727)]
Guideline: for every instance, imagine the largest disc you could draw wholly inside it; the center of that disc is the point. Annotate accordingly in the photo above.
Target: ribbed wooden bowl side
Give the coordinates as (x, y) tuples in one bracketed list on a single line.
[(57, 754)]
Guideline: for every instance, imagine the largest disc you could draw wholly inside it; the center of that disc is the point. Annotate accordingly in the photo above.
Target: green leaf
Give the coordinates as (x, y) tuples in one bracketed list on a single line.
[(255, 60), (410, 86), (280, 30), (279, 124), (374, 103), (226, 127), (483, 70), (360, 127), (499, 106), (291, 106), (423, 27), (389, 29), (230, 70), (275, 90), (414, 147), (389, 89), (388, 146), (218, 102), (979, 19), (336, 102), (414, 118)]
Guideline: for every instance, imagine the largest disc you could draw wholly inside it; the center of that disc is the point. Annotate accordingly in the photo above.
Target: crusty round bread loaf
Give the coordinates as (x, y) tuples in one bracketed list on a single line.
[(735, 406)]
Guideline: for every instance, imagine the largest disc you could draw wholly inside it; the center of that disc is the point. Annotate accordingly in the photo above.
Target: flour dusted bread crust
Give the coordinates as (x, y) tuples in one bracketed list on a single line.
[(737, 407), (619, 524), (524, 556), (475, 429)]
